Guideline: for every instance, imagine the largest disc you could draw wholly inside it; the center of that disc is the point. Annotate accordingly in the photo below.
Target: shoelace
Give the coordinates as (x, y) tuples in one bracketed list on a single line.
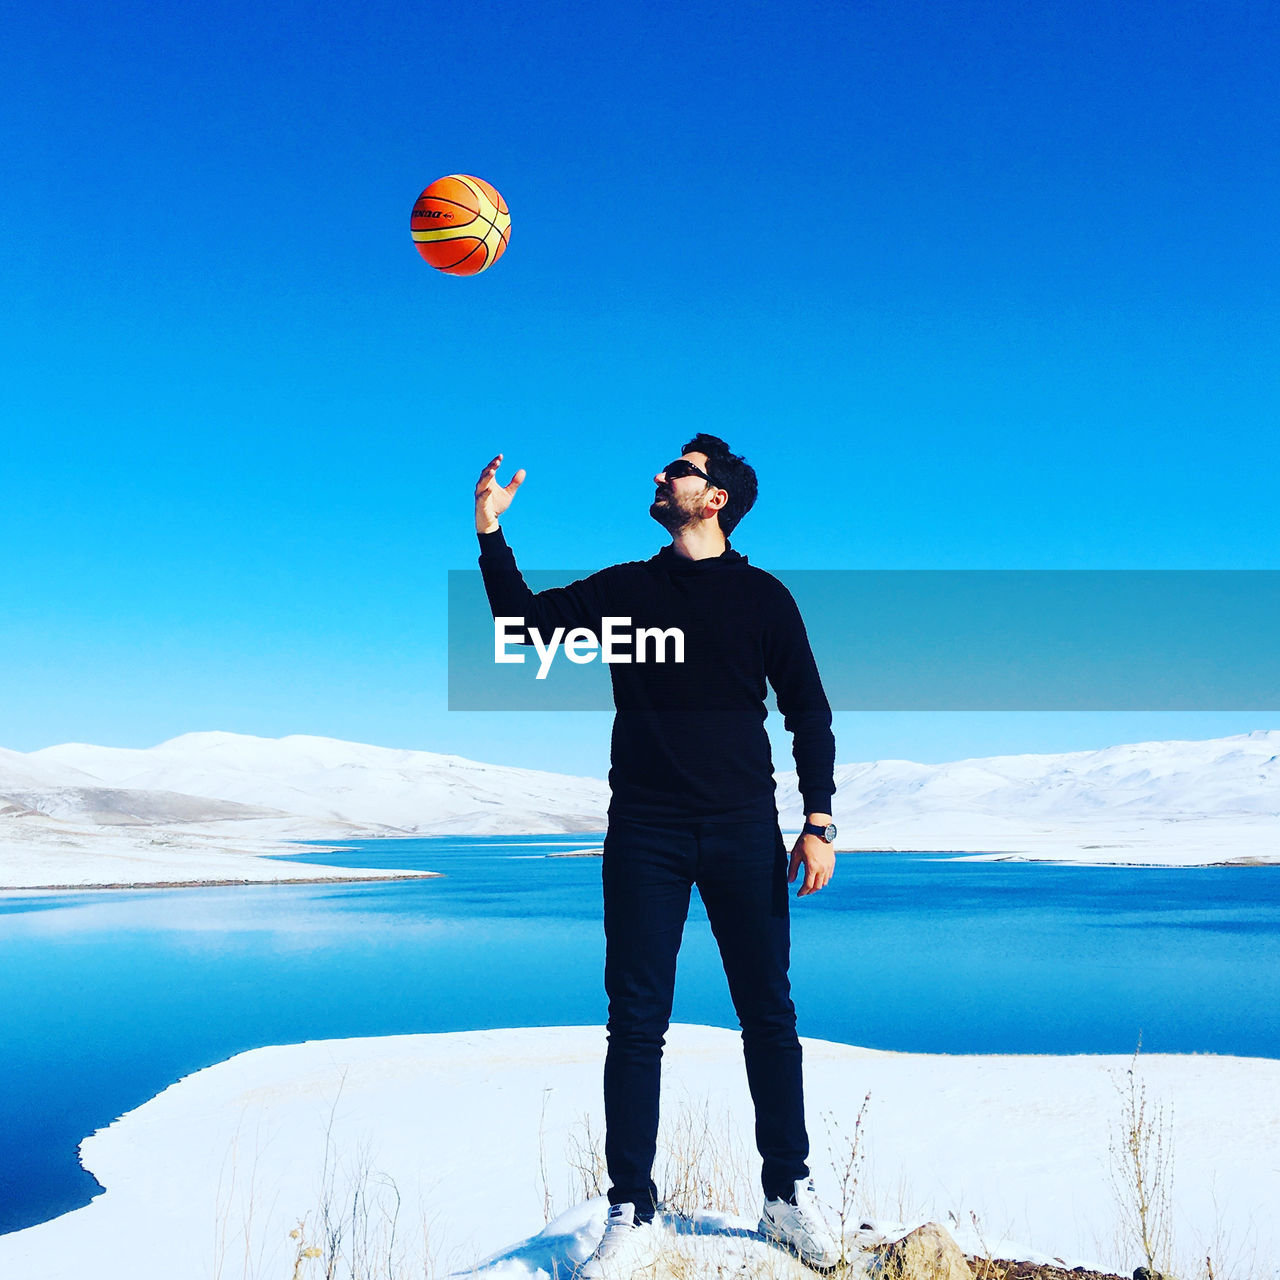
[(809, 1220), (616, 1230), (807, 1210)]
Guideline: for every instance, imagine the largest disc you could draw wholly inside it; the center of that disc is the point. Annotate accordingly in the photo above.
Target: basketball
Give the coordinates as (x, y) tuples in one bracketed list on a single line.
[(460, 225)]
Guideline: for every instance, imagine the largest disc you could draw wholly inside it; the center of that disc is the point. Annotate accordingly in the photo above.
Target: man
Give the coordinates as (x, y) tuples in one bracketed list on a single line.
[(693, 803)]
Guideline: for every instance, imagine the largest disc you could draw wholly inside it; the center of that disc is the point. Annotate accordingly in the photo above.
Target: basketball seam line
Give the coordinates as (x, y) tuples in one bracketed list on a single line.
[(498, 203), (493, 226)]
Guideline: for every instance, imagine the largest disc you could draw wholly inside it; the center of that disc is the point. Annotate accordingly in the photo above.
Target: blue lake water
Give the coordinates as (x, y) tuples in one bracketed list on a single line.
[(108, 997)]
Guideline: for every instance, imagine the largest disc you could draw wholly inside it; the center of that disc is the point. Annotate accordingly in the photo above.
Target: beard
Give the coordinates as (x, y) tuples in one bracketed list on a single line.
[(674, 517)]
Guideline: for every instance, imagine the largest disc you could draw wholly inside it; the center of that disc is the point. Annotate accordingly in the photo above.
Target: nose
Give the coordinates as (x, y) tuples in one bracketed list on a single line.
[(660, 479)]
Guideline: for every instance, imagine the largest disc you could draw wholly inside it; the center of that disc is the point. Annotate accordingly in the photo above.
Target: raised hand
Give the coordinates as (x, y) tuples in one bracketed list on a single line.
[(492, 498)]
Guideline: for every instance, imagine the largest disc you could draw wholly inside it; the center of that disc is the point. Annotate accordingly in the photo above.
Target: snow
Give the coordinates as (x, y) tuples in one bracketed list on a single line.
[(214, 806), (1160, 803), (379, 790), (209, 1177), (38, 853)]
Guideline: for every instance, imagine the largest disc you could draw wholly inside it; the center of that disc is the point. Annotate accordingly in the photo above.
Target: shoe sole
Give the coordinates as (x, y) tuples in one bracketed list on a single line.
[(770, 1233), (647, 1259)]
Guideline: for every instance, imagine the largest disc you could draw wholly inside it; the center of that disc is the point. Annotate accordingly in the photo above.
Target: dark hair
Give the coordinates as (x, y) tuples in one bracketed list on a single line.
[(734, 474)]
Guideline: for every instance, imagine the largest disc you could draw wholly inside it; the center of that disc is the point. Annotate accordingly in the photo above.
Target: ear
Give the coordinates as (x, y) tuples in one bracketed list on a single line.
[(717, 500)]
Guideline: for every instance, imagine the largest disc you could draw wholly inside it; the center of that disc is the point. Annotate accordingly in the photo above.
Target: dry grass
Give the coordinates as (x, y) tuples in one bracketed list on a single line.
[(584, 1155), (984, 1266), (1141, 1170), (238, 1196), (847, 1161), (355, 1229), (702, 1161), (1223, 1254)]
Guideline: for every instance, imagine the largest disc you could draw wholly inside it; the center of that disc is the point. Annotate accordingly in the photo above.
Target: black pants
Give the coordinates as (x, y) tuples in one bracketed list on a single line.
[(740, 869)]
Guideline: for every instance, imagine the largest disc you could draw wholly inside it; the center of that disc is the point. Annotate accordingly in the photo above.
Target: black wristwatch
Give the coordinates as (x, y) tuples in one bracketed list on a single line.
[(827, 833)]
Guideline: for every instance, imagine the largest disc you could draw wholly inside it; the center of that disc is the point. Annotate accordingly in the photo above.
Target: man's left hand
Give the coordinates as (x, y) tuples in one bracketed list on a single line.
[(818, 859)]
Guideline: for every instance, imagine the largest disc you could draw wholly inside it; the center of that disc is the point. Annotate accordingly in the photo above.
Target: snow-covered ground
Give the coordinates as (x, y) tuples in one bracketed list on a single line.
[(209, 806), (325, 787), (1167, 803), (37, 854), (475, 1135)]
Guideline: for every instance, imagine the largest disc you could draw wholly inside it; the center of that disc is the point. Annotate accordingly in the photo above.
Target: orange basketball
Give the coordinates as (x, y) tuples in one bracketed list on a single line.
[(460, 224)]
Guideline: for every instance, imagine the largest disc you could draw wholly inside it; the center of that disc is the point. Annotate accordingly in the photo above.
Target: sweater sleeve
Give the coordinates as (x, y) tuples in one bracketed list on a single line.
[(791, 669), (581, 604)]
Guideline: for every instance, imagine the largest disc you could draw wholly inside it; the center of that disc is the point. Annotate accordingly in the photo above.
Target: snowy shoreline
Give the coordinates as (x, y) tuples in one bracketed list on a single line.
[(1010, 1152), (35, 858), (107, 860), (215, 807), (219, 884), (87, 869)]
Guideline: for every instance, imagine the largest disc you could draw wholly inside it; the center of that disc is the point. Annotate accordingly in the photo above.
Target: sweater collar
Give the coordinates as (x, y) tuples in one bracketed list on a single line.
[(668, 559)]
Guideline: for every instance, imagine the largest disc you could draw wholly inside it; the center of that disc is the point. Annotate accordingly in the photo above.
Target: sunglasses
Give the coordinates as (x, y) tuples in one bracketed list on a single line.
[(682, 467)]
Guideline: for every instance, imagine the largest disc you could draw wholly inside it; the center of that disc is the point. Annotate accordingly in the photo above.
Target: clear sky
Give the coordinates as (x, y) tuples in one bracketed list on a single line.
[(987, 285)]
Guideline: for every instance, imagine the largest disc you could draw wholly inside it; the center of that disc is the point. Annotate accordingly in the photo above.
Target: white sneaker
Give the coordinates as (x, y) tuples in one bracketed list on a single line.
[(627, 1246), (800, 1228)]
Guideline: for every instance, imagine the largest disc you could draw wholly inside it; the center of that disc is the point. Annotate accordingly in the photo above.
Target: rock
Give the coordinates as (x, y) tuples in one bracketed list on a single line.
[(927, 1253)]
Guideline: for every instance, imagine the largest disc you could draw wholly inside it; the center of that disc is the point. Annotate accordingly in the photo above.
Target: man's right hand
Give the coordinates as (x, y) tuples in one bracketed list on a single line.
[(492, 498)]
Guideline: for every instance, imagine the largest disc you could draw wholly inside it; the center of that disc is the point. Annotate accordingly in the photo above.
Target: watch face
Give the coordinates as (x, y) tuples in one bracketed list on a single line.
[(829, 834)]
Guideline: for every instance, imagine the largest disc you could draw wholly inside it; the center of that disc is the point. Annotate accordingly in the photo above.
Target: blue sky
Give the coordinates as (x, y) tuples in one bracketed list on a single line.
[(978, 286)]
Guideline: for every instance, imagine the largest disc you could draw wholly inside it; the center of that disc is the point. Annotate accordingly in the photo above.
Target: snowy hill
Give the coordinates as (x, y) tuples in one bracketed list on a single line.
[(1221, 776), (20, 772), (1152, 802), (343, 786), (1180, 801)]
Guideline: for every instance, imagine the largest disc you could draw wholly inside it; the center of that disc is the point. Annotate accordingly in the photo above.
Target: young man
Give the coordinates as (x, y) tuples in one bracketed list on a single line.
[(693, 803)]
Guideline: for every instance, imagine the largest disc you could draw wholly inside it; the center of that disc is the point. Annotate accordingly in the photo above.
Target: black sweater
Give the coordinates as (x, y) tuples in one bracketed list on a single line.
[(688, 738)]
